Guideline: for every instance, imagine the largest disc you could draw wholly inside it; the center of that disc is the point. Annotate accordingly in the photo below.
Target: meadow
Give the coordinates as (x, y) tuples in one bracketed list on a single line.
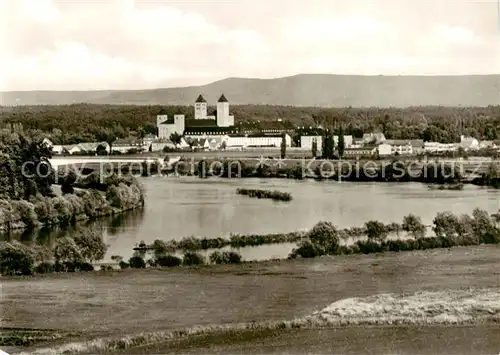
[(117, 304)]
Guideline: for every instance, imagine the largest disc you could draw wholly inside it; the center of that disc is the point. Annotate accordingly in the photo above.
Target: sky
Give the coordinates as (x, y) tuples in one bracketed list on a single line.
[(126, 44)]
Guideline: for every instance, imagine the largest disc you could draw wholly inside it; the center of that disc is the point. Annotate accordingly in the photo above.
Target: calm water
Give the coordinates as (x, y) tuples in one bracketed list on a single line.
[(189, 206)]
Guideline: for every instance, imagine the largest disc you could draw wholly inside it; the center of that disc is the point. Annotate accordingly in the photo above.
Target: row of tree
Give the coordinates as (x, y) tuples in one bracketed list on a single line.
[(69, 124), (449, 230)]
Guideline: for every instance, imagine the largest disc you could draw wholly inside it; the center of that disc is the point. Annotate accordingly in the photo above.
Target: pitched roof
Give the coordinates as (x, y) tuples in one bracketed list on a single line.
[(222, 98), (201, 99), (90, 146)]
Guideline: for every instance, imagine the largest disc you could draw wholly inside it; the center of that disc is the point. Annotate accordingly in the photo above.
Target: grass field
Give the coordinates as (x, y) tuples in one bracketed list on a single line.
[(464, 340), (132, 301)]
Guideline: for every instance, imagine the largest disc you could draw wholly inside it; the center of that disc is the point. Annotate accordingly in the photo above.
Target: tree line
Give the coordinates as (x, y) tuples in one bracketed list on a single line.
[(70, 124)]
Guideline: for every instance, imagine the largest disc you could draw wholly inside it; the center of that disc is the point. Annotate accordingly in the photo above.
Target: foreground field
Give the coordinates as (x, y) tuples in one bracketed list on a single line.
[(133, 301), (457, 340)]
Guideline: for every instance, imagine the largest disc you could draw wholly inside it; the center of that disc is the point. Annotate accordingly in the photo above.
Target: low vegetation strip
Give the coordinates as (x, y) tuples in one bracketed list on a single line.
[(449, 231), (453, 307), (78, 252), (274, 195), (29, 337), (235, 241), (371, 228)]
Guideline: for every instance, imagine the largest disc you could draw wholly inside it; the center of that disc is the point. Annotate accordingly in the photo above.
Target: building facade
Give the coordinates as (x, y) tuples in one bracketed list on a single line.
[(179, 124)]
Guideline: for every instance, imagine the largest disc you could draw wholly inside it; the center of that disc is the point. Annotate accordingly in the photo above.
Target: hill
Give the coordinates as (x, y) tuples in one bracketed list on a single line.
[(300, 90)]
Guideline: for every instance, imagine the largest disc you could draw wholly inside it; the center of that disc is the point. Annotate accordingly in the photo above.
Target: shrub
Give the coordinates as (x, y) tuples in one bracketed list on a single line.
[(191, 258), (159, 247), (26, 211), (44, 268), (375, 230), (91, 245), (325, 237), (137, 262), (66, 250), (168, 260), (307, 249), (370, 246), (414, 225), (446, 224), (226, 257), (16, 259), (123, 264)]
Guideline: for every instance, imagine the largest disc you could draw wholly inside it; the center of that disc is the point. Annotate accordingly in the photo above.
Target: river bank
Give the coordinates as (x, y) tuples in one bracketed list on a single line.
[(81, 205), (439, 171), (136, 301)]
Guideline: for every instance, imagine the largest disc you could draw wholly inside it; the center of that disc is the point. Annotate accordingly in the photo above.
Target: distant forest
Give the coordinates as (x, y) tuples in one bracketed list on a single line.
[(69, 124)]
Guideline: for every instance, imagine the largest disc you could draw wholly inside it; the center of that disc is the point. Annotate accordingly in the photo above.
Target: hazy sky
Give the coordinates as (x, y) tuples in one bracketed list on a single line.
[(125, 44)]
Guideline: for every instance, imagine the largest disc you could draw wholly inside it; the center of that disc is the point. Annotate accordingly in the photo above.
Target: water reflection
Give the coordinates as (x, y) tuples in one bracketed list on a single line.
[(111, 226), (181, 207)]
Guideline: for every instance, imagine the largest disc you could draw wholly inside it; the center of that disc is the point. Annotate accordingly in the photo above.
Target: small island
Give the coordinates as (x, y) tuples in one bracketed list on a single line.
[(274, 195)]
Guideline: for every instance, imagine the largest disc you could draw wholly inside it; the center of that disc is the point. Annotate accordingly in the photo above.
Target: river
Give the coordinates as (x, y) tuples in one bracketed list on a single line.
[(178, 207)]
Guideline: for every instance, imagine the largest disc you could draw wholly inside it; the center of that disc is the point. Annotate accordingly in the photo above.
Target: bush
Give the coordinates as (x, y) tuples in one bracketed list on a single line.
[(375, 230), (44, 268), (168, 260), (16, 259), (123, 264), (137, 262), (446, 224), (370, 246), (325, 237), (414, 225), (226, 257), (307, 249), (191, 258)]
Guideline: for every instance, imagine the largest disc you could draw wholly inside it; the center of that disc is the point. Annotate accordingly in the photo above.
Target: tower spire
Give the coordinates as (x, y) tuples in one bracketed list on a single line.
[(222, 98)]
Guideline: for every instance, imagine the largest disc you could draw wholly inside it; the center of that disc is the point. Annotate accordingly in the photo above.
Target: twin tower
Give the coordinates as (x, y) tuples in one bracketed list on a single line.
[(224, 119)]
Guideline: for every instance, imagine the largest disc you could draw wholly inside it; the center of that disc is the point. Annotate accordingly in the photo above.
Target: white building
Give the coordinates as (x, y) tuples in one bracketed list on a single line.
[(91, 147), (48, 142), (436, 147), (71, 148), (224, 119), (257, 141), (306, 142), (200, 108), (469, 143), (347, 141), (401, 147), (384, 149), (166, 126), (57, 149)]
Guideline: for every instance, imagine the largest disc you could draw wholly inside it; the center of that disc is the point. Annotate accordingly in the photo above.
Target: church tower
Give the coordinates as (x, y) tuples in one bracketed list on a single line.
[(223, 112), (200, 108)]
